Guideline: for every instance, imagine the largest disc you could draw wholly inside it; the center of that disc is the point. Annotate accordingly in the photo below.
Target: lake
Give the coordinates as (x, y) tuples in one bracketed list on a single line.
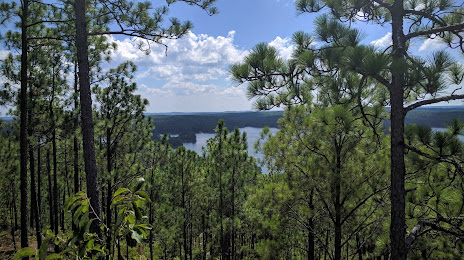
[(253, 134), (461, 137)]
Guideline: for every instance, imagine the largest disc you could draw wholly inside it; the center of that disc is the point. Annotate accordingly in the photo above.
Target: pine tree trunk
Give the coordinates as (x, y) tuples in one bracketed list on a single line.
[(50, 192), (184, 224), (39, 178), (39, 195), (34, 204), (63, 201), (55, 163), (23, 124), (311, 228), (33, 200), (398, 218), (205, 236), (109, 192), (338, 223), (86, 117), (233, 214), (75, 141), (150, 215)]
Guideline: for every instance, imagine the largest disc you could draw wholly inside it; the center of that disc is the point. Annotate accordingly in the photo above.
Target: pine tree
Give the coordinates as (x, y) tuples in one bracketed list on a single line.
[(392, 76)]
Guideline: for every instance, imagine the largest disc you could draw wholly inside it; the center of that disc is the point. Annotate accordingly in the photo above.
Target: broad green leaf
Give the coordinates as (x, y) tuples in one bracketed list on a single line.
[(53, 256), (24, 252), (120, 191), (143, 195), (138, 237)]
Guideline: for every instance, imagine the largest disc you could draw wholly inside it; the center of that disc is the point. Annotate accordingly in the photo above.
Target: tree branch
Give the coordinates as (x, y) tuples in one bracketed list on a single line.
[(432, 101), (455, 27)]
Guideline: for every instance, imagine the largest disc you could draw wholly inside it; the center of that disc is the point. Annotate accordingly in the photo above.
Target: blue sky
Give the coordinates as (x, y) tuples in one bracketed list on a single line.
[(193, 77)]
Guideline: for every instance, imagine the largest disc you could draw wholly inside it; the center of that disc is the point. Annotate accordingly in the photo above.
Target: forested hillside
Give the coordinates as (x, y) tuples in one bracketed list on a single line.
[(85, 173)]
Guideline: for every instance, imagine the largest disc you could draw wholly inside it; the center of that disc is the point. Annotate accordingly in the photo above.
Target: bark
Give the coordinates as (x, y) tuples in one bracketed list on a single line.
[(109, 191), (66, 172), (12, 218), (23, 124), (63, 201), (337, 204), (33, 194), (75, 141), (233, 213), (150, 238), (150, 216), (86, 116), (184, 224), (50, 192), (398, 219), (311, 229), (205, 236), (54, 152), (39, 179), (34, 203)]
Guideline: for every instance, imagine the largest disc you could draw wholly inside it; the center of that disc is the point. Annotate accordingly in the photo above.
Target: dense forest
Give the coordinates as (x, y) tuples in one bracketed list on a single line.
[(82, 177)]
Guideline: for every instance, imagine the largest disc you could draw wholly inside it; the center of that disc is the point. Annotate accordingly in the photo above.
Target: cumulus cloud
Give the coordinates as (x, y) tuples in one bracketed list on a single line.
[(284, 47), (191, 76), (430, 44), (383, 42), (198, 57)]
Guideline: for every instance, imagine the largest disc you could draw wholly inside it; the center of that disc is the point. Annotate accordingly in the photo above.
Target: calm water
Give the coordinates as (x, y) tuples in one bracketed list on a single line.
[(253, 134), (461, 137)]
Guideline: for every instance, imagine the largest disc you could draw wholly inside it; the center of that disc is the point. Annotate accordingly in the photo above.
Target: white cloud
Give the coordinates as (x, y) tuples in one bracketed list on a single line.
[(420, 7), (194, 67), (186, 88), (383, 42), (284, 47), (4, 54), (193, 57), (430, 44)]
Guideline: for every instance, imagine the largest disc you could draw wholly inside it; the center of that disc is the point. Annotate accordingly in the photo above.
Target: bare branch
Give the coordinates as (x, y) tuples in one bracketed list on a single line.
[(450, 28), (432, 101)]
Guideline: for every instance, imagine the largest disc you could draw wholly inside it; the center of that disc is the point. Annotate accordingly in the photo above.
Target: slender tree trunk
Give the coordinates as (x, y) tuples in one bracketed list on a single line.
[(54, 152), (15, 210), (150, 216), (63, 200), (33, 200), (50, 192), (86, 116), (221, 217), (39, 178), (34, 203), (109, 165), (233, 213), (311, 229), (12, 231), (66, 171), (398, 217), (150, 238), (184, 224), (75, 141), (23, 123), (337, 204), (205, 236), (190, 235), (39, 195), (359, 248)]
